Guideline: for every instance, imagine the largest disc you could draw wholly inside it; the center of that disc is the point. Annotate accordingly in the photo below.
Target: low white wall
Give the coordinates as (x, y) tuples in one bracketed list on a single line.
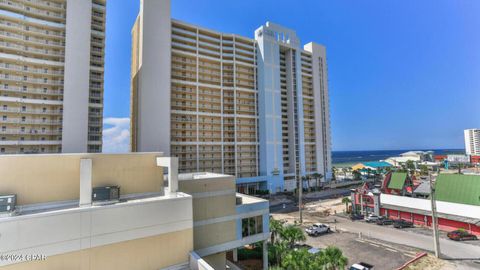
[(197, 263), (57, 232), (456, 209)]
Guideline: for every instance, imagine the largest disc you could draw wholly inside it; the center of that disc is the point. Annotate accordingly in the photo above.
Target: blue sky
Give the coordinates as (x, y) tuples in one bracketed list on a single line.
[(402, 74)]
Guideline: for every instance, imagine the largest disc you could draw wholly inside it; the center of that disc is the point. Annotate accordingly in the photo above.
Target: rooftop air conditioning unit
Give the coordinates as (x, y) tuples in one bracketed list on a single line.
[(7, 205), (105, 195)]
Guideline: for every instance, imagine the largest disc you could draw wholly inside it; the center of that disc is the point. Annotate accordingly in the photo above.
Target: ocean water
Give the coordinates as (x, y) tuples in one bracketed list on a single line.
[(353, 157)]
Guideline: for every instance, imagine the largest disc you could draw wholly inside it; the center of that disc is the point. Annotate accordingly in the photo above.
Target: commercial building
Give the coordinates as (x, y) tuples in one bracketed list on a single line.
[(257, 108), (472, 141), (51, 75), (60, 224), (401, 197), (372, 165)]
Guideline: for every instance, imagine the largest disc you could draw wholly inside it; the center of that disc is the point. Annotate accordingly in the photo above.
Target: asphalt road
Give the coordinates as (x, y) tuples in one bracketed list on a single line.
[(449, 249)]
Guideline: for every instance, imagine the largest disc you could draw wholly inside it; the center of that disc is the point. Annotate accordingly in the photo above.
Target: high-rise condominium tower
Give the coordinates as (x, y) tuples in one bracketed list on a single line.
[(472, 142), (51, 75), (254, 108)]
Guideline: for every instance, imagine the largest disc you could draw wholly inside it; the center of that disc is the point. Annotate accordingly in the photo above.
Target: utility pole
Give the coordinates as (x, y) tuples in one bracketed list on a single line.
[(300, 191), (436, 239)]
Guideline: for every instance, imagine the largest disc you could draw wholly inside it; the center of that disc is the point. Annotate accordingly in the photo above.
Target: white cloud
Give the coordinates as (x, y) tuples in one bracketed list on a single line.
[(116, 135)]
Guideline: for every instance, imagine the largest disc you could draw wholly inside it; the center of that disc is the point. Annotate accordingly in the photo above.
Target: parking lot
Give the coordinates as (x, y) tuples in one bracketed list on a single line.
[(381, 255), (383, 246)]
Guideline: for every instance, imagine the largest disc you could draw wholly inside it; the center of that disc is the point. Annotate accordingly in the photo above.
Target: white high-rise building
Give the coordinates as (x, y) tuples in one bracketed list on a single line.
[(472, 142), (256, 108), (51, 75)]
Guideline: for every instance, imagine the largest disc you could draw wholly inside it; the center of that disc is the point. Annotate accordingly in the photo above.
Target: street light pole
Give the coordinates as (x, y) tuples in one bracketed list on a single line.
[(436, 239), (300, 192)]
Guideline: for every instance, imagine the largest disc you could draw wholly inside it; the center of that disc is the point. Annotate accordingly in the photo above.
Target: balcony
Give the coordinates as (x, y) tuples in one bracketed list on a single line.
[(41, 71), (19, 132), (30, 111), (31, 90), (30, 39), (21, 79), (32, 11), (29, 142), (32, 50), (31, 122)]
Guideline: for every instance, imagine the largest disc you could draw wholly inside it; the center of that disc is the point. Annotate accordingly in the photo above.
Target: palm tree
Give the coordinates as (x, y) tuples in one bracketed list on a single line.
[(292, 234), (346, 201), (357, 175), (276, 228), (317, 177), (332, 258), (298, 259)]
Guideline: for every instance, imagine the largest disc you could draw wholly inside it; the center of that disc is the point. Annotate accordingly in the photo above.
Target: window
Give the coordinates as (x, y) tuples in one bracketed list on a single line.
[(252, 226), (4, 118), (24, 118), (5, 107), (2, 150), (4, 128)]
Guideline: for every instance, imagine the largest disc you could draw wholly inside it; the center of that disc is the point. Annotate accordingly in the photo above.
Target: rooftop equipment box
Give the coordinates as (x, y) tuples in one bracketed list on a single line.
[(108, 194), (7, 204)]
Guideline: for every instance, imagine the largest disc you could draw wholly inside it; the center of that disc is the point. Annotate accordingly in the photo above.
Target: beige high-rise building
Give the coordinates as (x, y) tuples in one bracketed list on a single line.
[(256, 108), (51, 75)]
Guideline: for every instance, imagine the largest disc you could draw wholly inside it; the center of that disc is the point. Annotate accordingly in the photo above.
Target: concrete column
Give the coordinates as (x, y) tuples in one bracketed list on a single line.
[(85, 183), (352, 198), (153, 100), (265, 255), (376, 203), (172, 164), (77, 76), (235, 255)]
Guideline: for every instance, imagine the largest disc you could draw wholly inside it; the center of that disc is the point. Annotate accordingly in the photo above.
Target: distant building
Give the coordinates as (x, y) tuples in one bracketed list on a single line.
[(457, 196), (456, 158), (415, 156), (475, 159), (374, 166), (191, 224), (472, 141)]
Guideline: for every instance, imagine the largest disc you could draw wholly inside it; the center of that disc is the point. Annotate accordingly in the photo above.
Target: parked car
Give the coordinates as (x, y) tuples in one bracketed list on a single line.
[(400, 224), (354, 217), (384, 221), (372, 218), (461, 235), (317, 229), (361, 266)]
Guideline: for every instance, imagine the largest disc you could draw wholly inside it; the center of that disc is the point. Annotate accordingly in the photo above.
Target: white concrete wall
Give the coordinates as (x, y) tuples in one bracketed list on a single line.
[(77, 76), (321, 126), (456, 209), (58, 232), (153, 127)]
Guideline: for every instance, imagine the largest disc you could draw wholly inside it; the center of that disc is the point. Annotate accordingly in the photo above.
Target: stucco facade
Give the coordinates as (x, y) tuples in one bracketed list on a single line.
[(256, 108)]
